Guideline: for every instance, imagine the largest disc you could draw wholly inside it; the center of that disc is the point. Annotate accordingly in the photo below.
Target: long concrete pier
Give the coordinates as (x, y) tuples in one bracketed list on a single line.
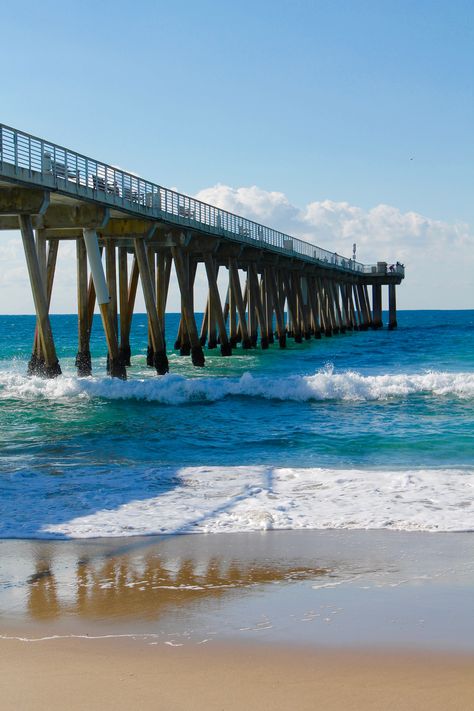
[(128, 229)]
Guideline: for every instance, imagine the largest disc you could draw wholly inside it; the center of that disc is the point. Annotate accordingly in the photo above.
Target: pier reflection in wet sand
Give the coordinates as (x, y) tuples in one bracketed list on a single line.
[(138, 580), (311, 587)]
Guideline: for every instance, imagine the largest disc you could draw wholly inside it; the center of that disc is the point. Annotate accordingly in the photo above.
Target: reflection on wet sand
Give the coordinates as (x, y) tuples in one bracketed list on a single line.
[(145, 586)]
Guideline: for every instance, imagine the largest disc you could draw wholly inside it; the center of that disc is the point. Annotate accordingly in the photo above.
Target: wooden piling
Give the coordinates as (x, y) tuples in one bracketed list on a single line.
[(215, 302), (111, 276), (191, 268), (116, 367), (163, 273), (48, 267), (83, 357), (233, 330), (295, 326), (300, 306), (272, 290), (377, 306), (150, 354), (129, 295), (254, 291), (197, 354), (266, 295), (51, 363), (358, 306), (313, 307), (211, 321), (325, 315), (239, 303), (392, 307), (124, 348), (337, 305), (160, 359), (204, 325)]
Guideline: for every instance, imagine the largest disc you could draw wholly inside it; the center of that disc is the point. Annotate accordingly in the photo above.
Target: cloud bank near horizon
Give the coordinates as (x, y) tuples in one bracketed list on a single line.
[(439, 255)]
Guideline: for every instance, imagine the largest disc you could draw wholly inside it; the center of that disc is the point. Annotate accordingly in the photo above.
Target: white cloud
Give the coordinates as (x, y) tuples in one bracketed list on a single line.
[(439, 256)]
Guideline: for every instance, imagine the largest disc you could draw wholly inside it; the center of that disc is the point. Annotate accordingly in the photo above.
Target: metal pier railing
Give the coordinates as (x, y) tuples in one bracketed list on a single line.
[(27, 158)]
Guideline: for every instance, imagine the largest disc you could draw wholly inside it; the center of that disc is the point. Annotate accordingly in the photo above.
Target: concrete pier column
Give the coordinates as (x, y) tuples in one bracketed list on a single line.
[(392, 307), (51, 364), (239, 303), (197, 355), (117, 368), (83, 357), (216, 306), (124, 349), (160, 359), (377, 306)]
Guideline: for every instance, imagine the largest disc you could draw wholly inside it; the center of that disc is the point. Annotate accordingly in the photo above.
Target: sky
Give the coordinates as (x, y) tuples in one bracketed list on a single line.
[(335, 121)]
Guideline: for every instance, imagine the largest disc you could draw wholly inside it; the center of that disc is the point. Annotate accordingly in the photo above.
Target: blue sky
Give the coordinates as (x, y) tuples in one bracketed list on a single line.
[(364, 103)]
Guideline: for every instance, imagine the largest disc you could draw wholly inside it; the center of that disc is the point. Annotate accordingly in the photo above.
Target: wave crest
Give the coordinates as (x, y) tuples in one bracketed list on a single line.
[(174, 389)]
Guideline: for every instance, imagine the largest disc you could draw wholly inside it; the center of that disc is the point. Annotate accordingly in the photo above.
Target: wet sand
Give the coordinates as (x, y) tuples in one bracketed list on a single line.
[(280, 620), (71, 675)]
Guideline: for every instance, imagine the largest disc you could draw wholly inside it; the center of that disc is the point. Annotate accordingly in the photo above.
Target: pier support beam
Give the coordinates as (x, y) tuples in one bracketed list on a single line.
[(254, 291), (128, 295), (295, 328), (366, 302), (313, 307), (117, 368), (233, 330), (160, 359), (111, 276), (211, 309), (300, 306), (124, 349), (272, 290), (215, 301), (197, 355), (359, 297), (324, 309), (51, 363), (150, 353), (352, 306), (47, 267), (83, 357), (163, 272), (392, 307), (239, 303), (377, 306)]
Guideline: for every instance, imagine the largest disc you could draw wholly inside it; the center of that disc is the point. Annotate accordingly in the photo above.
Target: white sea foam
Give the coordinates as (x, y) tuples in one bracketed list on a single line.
[(212, 499), (326, 384)]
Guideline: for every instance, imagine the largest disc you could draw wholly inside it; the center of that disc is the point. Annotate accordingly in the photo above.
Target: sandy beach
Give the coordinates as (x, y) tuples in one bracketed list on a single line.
[(76, 674), (279, 620)]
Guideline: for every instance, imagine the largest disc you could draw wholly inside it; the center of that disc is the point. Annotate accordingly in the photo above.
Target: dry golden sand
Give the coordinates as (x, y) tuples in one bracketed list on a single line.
[(74, 674)]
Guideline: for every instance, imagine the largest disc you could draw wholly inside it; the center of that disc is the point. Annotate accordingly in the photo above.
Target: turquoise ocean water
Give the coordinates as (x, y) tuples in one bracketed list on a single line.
[(362, 430)]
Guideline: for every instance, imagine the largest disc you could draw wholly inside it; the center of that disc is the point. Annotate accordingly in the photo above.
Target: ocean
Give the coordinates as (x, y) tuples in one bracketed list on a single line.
[(365, 430)]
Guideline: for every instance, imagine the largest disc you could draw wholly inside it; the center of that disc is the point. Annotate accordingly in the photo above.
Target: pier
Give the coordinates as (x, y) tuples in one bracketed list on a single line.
[(127, 230)]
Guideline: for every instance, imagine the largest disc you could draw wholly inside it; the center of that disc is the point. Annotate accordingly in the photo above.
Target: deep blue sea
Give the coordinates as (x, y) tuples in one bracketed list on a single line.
[(361, 430)]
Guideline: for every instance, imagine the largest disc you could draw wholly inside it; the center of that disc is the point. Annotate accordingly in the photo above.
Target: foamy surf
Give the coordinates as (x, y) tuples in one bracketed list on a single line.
[(172, 389), (142, 501)]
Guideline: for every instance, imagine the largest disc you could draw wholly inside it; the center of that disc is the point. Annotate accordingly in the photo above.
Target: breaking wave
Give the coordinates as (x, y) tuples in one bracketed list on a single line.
[(326, 384)]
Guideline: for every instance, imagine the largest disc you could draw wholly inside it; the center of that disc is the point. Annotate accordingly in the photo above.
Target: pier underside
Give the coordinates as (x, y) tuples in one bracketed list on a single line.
[(271, 293)]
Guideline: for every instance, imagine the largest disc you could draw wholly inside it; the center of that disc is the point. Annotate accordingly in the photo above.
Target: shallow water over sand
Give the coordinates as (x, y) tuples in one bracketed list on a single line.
[(317, 588)]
